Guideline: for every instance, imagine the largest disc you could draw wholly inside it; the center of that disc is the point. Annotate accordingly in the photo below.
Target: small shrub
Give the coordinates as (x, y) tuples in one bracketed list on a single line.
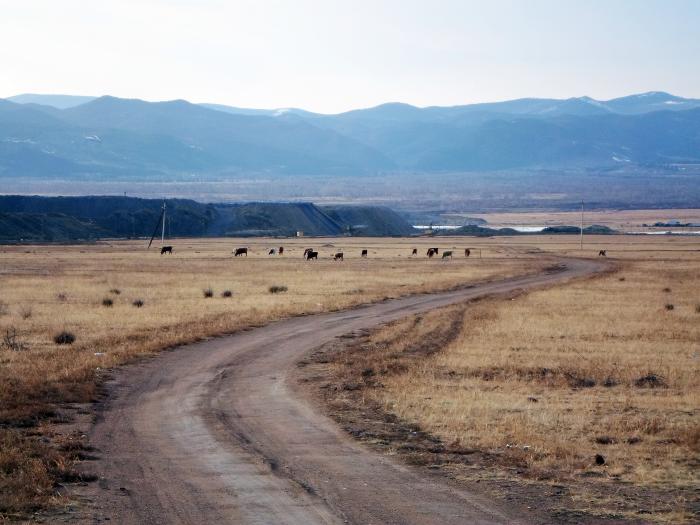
[(277, 289), (667, 290), (208, 292), (4, 309), (621, 279), (138, 303), (11, 341), (62, 297), (64, 338), (226, 293), (25, 312), (115, 291), (107, 302), (697, 308), (669, 306)]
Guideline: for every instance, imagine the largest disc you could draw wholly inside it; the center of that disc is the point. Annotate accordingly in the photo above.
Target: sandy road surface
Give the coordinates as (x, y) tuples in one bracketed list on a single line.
[(215, 433)]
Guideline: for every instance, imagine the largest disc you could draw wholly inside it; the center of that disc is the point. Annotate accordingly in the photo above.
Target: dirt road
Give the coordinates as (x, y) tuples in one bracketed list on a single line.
[(214, 433)]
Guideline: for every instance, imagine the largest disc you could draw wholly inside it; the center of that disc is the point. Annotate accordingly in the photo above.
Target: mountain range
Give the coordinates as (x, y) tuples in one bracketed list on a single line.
[(98, 138)]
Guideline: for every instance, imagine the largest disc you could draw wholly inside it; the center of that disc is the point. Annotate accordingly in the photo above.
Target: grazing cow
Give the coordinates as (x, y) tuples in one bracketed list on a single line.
[(338, 256), (272, 251), (467, 252), (281, 250), (240, 251), (307, 250), (364, 253), (414, 252), (430, 253), (602, 253), (166, 249), (435, 251), (310, 254), (447, 254)]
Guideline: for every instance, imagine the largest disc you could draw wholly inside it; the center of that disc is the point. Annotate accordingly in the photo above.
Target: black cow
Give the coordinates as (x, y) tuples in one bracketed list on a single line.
[(166, 249), (431, 252), (414, 252), (446, 254), (272, 252), (310, 254), (602, 253), (364, 253), (240, 251), (338, 256), (281, 250), (467, 252)]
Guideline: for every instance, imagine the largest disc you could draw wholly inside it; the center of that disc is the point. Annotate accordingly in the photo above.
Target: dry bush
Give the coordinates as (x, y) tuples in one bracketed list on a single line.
[(25, 312), (64, 338), (62, 297), (208, 292), (115, 291), (4, 308), (11, 341)]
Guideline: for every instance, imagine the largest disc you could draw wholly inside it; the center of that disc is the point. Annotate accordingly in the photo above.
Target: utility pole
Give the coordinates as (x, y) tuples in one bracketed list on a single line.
[(581, 246), (162, 235)]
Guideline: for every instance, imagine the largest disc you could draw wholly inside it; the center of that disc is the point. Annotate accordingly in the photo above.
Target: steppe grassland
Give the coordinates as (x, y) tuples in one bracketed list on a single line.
[(550, 379), (89, 290)]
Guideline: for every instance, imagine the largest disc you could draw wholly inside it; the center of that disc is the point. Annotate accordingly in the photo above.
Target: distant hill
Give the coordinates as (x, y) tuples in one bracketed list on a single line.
[(31, 218), (56, 101), (95, 139)]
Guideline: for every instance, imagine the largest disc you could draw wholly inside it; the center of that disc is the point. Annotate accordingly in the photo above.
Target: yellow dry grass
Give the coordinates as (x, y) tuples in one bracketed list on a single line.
[(48, 289), (546, 381)]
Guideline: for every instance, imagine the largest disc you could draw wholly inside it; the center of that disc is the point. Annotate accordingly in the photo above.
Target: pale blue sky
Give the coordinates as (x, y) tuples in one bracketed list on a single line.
[(336, 55)]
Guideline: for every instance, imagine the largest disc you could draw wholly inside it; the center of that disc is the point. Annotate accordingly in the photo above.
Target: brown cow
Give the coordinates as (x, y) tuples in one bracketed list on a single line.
[(240, 251), (281, 250), (338, 256), (467, 252)]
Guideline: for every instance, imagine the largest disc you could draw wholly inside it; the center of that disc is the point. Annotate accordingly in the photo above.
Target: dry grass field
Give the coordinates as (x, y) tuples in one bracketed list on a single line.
[(622, 220), (91, 292), (589, 393)]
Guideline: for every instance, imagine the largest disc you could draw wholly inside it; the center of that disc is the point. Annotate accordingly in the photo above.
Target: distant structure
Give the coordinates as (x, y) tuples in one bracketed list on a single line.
[(300, 233)]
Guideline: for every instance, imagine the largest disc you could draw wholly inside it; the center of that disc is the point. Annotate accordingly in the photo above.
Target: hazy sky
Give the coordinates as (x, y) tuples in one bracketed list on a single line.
[(335, 55)]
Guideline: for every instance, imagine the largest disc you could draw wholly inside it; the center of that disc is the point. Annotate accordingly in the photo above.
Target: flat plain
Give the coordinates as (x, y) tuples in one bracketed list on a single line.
[(120, 302), (471, 392)]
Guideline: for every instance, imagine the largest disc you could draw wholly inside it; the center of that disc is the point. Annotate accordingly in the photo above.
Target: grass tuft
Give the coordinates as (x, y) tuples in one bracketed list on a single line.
[(64, 338)]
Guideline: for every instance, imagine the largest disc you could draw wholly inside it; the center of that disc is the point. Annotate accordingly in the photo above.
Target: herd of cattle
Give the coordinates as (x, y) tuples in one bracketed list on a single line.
[(311, 254)]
